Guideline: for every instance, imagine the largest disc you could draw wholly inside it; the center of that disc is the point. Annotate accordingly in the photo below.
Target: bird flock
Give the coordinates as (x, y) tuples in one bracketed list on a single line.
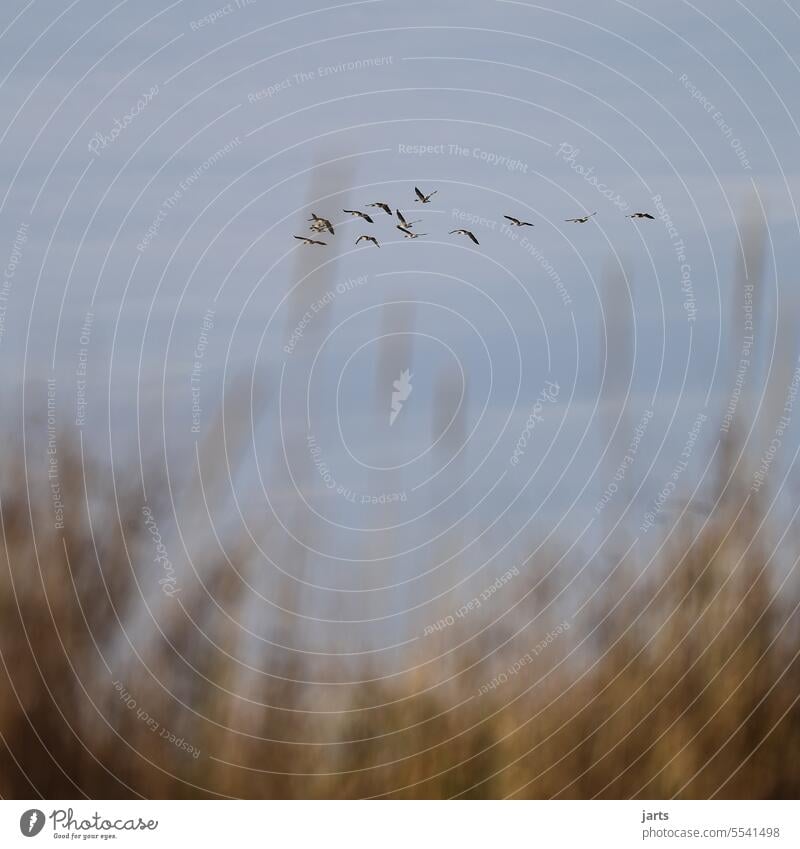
[(321, 225)]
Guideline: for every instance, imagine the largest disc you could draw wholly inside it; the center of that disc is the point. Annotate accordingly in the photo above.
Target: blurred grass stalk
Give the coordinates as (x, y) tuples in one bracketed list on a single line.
[(681, 678)]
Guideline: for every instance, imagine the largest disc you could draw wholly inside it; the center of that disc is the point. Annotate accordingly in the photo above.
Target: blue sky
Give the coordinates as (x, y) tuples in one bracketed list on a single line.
[(279, 109)]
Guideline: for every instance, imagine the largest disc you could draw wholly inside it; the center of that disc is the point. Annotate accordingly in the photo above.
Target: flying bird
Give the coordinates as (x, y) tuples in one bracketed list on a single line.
[(517, 223), (384, 206), (407, 224), (462, 232), (368, 239), (306, 241), (408, 234), (421, 198), (582, 220), (641, 215), (357, 213), (321, 224)]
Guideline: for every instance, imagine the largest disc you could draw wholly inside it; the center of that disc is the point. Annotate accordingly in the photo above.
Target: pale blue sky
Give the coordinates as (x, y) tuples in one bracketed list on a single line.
[(695, 103)]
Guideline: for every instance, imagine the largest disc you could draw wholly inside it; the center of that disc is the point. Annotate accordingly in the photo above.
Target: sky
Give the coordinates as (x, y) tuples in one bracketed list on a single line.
[(159, 158)]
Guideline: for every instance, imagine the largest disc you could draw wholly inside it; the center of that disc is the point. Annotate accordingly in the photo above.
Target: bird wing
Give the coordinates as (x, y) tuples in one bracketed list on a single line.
[(367, 218), (512, 219), (419, 193), (401, 217), (472, 236), (651, 217), (405, 230)]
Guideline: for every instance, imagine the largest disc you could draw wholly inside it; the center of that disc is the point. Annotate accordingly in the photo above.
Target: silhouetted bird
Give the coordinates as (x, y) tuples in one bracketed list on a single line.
[(321, 223), (408, 234), (384, 206), (641, 215), (407, 224), (308, 241), (582, 220), (357, 213), (465, 233), (368, 239), (517, 223), (421, 198)]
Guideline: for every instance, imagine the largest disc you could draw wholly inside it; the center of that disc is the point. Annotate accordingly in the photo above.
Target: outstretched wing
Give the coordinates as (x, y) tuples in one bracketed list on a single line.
[(419, 193)]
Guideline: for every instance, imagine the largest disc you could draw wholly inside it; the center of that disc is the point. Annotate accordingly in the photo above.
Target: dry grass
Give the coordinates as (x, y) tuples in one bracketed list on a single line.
[(678, 676), (686, 684)]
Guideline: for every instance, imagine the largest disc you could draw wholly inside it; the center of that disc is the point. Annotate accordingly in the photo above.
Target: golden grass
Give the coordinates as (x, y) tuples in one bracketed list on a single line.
[(684, 681), (679, 677)]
